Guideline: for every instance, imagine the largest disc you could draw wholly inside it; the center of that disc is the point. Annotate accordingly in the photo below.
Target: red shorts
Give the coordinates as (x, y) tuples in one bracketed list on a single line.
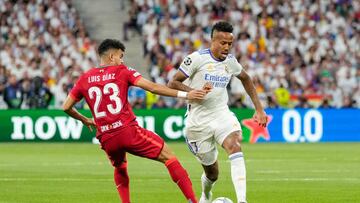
[(134, 140)]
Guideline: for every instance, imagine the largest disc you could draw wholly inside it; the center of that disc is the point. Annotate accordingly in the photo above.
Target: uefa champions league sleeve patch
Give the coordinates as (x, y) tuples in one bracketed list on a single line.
[(187, 61)]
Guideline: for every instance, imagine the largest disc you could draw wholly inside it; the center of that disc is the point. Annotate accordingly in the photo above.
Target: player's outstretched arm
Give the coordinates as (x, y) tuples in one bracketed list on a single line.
[(260, 115), (165, 91), (177, 82), (68, 108)]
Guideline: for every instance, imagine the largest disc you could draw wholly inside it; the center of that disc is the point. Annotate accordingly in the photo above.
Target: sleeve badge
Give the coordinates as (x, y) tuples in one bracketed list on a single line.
[(187, 61)]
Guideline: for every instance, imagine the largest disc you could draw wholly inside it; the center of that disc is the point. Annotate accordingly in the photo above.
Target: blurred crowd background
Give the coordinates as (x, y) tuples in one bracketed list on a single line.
[(300, 53), (44, 47)]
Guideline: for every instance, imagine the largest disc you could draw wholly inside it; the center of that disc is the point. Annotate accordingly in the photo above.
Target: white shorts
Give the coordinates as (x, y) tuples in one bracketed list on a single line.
[(202, 139)]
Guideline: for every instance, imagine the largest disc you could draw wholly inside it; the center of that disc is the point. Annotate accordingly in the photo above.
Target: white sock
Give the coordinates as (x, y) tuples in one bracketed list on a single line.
[(238, 175), (206, 185)]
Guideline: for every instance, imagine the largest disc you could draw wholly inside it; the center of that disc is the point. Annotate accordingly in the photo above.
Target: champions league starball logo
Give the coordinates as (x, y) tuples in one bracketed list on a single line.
[(257, 131), (187, 61)]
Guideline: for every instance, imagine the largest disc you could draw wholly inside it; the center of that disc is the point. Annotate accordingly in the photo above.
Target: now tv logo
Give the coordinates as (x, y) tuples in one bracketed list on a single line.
[(45, 128)]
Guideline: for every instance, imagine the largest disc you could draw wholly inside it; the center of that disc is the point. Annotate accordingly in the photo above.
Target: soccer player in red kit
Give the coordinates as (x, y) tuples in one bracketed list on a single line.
[(105, 89)]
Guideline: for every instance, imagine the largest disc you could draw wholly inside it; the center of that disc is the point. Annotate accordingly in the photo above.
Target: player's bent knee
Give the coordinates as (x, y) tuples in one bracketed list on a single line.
[(165, 154), (232, 144), (233, 148)]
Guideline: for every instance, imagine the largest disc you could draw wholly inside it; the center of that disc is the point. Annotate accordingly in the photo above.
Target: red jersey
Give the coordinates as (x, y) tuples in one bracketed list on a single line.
[(105, 90)]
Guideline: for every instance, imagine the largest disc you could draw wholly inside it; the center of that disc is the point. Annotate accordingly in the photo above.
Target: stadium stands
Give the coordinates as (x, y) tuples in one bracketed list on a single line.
[(45, 40), (301, 53)]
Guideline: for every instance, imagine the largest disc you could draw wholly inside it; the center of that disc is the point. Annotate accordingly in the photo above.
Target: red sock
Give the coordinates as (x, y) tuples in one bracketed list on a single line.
[(122, 182), (181, 178)]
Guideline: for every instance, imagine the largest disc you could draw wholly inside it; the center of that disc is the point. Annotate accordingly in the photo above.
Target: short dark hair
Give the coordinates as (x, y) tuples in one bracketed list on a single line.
[(110, 44), (222, 26)]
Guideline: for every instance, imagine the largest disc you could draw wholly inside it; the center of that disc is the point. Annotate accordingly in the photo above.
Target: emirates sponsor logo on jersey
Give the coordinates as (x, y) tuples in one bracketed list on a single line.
[(216, 80)]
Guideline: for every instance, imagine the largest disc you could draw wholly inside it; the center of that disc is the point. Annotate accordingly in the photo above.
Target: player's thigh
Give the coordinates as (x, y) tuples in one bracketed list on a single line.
[(114, 150), (204, 150), (145, 143), (227, 125), (201, 142)]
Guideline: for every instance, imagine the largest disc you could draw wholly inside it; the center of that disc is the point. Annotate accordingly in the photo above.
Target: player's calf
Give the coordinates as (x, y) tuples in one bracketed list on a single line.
[(181, 178), (121, 178)]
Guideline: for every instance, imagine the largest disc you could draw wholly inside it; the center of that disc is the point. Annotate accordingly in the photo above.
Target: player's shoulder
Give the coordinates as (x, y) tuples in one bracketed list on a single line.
[(117, 67), (130, 71), (203, 51), (103, 69), (231, 56), (92, 71), (128, 68), (196, 55)]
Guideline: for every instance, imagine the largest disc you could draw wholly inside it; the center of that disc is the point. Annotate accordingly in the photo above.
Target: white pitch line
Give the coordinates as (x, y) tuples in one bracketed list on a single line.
[(305, 179), (57, 164), (57, 179), (300, 171)]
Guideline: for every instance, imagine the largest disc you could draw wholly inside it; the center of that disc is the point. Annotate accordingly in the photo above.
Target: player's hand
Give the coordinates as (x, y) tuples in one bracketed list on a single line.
[(261, 118), (196, 95), (88, 122), (207, 87)]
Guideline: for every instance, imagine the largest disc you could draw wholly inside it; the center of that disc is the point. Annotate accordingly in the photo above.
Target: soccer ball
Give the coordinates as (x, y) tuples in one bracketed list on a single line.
[(222, 200)]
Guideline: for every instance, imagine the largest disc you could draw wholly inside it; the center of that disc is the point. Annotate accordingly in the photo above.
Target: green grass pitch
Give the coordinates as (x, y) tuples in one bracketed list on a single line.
[(69, 172)]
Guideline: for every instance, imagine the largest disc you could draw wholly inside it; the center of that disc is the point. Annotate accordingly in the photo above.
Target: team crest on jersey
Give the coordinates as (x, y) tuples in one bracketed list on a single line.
[(226, 69), (187, 61)]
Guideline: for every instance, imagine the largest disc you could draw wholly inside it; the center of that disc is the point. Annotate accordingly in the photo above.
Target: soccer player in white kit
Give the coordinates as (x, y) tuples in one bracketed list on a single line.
[(210, 121)]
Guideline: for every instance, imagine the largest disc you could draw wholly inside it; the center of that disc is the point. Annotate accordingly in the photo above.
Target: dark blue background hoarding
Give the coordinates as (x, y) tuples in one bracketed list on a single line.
[(314, 125)]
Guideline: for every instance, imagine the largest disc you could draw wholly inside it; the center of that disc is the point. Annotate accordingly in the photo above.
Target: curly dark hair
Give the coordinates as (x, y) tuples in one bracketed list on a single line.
[(222, 26), (110, 44)]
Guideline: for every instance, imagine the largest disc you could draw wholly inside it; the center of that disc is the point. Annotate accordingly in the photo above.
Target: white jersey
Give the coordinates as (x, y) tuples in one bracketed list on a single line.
[(201, 67)]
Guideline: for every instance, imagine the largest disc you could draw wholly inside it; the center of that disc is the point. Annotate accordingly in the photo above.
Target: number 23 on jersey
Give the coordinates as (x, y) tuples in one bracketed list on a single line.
[(98, 94)]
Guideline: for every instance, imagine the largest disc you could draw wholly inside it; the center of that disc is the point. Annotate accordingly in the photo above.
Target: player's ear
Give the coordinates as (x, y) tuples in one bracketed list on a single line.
[(111, 57)]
